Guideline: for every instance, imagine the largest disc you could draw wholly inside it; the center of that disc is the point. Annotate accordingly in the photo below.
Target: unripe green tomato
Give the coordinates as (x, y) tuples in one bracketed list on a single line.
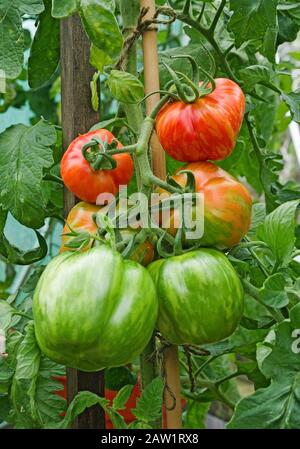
[(94, 309), (200, 297)]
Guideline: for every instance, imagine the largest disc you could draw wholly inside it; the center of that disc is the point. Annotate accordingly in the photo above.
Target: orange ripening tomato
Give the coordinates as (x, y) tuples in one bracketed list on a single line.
[(81, 219), (227, 205), (204, 130), (82, 180)]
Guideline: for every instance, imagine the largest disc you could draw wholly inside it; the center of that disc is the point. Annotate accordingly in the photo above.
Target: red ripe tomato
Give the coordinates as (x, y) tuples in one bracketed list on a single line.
[(82, 180), (227, 205), (80, 219), (206, 129)]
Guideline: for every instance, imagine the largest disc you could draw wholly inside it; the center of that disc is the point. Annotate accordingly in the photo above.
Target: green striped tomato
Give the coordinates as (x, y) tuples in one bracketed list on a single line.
[(200, 297), (94, 309)]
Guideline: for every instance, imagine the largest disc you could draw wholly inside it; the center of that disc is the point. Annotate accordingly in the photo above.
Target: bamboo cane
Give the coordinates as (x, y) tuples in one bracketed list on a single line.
[(172, 397)]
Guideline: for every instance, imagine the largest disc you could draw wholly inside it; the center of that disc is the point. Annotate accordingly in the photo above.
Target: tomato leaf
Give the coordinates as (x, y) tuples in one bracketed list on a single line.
[(30, 6), (63, 9), (116, 378), (83, 400), (196, 414), (25, 152), (101, 25), (257, 217), (32, 280), (242, 341), (32, 385), (198, 52), (255, 21), (149, 405), (14, 255), (110, 123), (278, 405), (293, 102), (125, 87), (44, 52), (119, 403), (116, 419), (255, 74), (94, 91), (273, 292), (274, 407), (4, 407), (6, 313), (278, 231), (12, 40), (99, 59)]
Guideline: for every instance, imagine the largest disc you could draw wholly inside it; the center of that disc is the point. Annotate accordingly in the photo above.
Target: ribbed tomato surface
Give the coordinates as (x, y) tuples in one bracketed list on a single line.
[(227, 204), (206, 129)]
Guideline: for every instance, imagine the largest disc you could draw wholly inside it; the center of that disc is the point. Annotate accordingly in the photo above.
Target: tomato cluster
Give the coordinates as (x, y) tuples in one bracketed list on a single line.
[(94, 308)]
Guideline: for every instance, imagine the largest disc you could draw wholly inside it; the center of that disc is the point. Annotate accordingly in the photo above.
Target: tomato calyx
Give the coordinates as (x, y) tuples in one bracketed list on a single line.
[(96, 153), (190, 90)]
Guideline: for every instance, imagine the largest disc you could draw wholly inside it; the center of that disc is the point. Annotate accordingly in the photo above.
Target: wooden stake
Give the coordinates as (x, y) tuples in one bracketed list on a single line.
[(78, 117), (151, 76), (172, 397)]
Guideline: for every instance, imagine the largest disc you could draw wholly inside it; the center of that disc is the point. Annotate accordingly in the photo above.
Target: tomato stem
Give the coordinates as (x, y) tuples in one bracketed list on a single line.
[(217, 16)]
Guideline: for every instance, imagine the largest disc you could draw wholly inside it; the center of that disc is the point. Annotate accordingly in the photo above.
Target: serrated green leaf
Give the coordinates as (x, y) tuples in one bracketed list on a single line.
[(45, 49), (25, 153), (125, 87), (258, 216), (292, 100), (109, 124), (99, 59), (28, 356), (6, 313), (101, 25), (116, 419), (10, 273), (255, 21), (116, 378), (119, 402), (242, 341), (32, 280), (195, 414), (197, 51), (14, 255), (61, 9), (273, 292), (295, 316), (277, 406), (83, 400), (4, 407), (278, 231), (94, 91), (12, 40), (33, 387), (274, 407), (30, 6), (149, 405), (139, 425), (255, 74)]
